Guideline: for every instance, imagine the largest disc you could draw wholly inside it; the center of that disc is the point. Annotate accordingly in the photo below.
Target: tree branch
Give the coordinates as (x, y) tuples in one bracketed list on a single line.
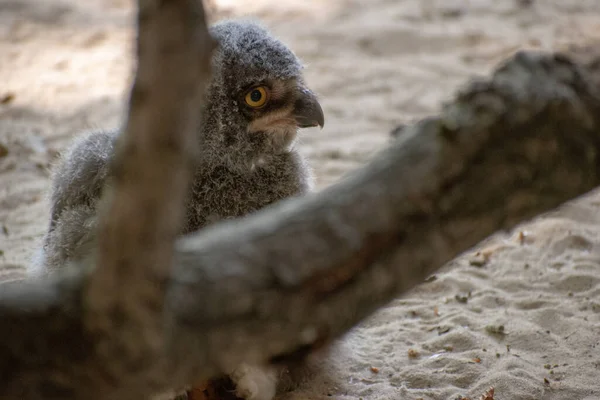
[(152, 169), (304, 271), (143, 205)]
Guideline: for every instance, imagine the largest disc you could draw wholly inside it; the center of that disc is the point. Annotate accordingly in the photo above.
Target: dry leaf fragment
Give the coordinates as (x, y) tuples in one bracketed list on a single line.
[(7, 98), (462, 298), (489, 395), (3, 150), (495, 329), (443, 329), (481, 258), (200, 392), (412, 353), (478, 260)]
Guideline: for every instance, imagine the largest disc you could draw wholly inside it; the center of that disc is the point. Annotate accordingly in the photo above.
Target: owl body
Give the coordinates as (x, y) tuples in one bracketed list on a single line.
[(256, 101), (219, 193), (216, 193)]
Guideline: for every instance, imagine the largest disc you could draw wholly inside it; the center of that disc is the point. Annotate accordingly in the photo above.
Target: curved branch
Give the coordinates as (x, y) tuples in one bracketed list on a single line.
[(112, 320), (151, 172), (304, 271)]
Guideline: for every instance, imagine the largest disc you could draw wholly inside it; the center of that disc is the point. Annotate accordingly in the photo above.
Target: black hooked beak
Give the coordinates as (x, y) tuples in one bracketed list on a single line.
[(307, 110)]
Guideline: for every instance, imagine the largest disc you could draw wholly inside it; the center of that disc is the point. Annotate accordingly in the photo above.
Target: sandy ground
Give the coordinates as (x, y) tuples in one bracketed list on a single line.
[(65, 67)]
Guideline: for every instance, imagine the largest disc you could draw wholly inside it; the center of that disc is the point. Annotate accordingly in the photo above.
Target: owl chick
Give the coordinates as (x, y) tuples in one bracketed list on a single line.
[(255, 103)]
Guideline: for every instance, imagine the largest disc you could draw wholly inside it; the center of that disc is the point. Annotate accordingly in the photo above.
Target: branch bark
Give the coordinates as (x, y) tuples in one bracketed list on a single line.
[(144, 203), (122, 303), (302, 272)]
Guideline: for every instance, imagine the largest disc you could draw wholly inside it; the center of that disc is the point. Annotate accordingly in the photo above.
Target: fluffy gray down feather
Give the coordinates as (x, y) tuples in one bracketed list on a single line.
[(239, 170)]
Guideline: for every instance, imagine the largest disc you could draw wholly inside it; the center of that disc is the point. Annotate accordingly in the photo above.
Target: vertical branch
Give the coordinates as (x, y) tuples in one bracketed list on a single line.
[(143, 205)]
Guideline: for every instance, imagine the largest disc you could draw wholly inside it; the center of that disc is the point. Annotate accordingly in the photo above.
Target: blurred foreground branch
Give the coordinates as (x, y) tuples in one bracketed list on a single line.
[(281, 282)]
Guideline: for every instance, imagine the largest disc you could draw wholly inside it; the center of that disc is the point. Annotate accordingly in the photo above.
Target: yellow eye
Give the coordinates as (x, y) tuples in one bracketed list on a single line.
[(257, 97)]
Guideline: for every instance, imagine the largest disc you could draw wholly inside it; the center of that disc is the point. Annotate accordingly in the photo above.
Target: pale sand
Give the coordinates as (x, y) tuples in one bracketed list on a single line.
[(375, 64)]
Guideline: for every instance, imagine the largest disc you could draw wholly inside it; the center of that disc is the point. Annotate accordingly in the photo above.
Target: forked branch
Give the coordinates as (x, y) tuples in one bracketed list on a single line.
[(303, 271)]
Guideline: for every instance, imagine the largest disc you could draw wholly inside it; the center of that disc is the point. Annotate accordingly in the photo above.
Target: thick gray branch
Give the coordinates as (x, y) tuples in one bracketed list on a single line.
[(306, 270), (143, 205)]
